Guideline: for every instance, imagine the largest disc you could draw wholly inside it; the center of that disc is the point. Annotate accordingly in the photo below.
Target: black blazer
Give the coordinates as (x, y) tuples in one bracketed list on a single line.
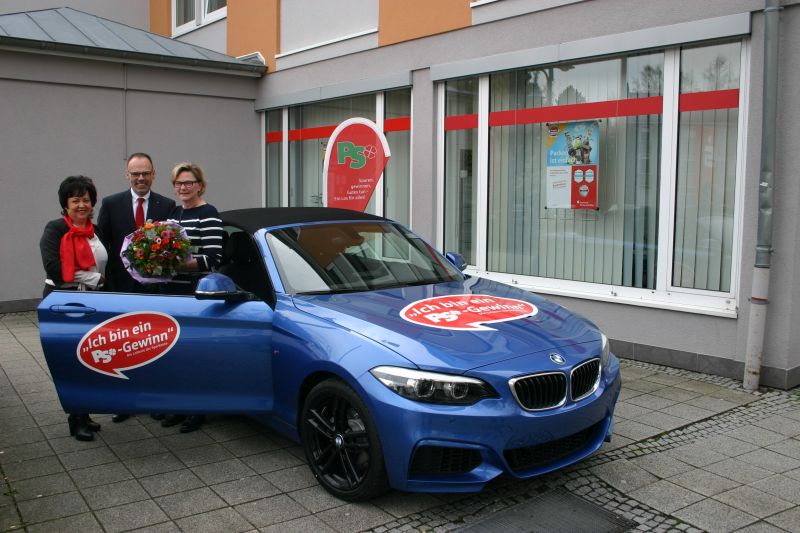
[(114, 223)]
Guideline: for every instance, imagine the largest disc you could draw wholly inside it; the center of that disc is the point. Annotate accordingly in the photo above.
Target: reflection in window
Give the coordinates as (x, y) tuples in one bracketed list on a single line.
[(706, 174), (460, 166), (184, 12), (615, 244), (213, 5)]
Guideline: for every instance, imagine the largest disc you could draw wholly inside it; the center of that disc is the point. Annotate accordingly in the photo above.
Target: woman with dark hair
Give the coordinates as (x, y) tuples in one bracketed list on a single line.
[(74, 259)]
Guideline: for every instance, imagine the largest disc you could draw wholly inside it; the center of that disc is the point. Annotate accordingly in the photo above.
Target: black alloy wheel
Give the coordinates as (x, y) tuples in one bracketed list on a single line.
[(341, 442)]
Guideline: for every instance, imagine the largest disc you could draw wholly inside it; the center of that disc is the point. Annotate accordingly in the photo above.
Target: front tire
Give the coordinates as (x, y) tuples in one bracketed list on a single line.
[(341, 442)]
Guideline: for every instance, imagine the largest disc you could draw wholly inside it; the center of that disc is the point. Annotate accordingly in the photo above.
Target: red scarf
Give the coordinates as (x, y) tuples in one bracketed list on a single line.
[(76, 254)]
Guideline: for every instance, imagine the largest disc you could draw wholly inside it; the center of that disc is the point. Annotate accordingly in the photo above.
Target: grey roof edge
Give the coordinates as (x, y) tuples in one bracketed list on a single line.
[(250, 69)]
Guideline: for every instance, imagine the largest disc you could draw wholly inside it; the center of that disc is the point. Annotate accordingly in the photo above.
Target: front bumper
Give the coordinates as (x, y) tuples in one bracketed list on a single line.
[(436, 448)]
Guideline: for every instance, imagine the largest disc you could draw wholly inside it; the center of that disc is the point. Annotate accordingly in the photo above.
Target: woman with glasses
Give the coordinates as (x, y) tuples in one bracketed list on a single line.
[(204, 227)]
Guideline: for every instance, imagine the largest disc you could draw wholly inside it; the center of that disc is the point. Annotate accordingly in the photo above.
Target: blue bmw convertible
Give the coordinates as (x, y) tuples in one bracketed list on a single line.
[(352, 335)]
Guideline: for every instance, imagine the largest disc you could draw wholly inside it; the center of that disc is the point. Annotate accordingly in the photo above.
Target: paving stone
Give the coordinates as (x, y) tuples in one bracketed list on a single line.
[(728, 445), (114, 494), (100, 475), (15, 437), (33, 468), (200, 455), (711, 404), (83, 523), (687, 412), (184, 441), (354, 517), (52, 507), (273, 510), (271, 461), (250, 445), (306, 524), (635, 430), (760, 527), (85, 458), (630, 411), (67, 444), (154, 464), (650, 401), (170, 482), (780, 424), (16, 454), (661, 464), (400, 504), (696, 455), (190, 502), (131, 516), (227, 520), (788, 447), (37, 487), (706, 483), (662, 421), (624, 475), (289, 479), (769, 460), (714, 516), (753, 501), (738, 471), (788, 520), (756, 435), (642, 385), (162, 527), (223, 471), (316, 499), (139, 448), (245, 490), (665, 496)]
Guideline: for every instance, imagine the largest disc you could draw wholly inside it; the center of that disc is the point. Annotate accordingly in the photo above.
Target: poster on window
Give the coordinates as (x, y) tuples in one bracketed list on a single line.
[(572, 169), (354, 161)]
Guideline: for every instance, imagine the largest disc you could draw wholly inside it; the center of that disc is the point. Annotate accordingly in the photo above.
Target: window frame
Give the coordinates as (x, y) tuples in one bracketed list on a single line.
[(201, 18), (665, 295)]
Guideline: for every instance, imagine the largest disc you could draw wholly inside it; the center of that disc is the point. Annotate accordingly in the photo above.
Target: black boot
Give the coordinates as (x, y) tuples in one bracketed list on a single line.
[(78, 427), (192, 423), (91, 424)]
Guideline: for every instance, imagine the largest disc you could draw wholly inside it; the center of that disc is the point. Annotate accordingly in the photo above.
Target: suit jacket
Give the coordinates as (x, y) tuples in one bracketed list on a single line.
[(114, 223)]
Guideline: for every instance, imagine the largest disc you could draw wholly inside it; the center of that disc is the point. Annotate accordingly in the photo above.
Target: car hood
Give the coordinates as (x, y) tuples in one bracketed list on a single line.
[(378, 316)]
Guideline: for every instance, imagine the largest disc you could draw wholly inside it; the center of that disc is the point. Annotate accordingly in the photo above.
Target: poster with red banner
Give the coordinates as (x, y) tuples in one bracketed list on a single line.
[(572, 179), (354, 162)]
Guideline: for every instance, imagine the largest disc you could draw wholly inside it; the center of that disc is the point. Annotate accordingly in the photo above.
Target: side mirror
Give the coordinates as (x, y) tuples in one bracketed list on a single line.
[(216, 286), (457, 260)]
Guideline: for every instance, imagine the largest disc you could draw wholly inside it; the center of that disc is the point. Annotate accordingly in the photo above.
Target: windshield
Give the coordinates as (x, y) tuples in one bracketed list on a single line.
[(354, 256)]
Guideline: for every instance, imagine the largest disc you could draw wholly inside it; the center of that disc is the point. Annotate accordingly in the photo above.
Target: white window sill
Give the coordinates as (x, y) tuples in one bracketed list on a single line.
[(698, 302)]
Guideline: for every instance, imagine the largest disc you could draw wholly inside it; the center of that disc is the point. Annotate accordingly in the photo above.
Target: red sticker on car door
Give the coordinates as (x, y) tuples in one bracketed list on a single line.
[(466, 311), (128, 341)]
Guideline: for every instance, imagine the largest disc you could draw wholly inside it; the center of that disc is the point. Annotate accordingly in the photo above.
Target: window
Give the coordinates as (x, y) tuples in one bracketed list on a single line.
[(295, 156), (663, 132), (184, 14)]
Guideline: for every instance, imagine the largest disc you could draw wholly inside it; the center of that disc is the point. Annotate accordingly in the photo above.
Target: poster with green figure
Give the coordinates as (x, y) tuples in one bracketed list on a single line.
[(572, 165)]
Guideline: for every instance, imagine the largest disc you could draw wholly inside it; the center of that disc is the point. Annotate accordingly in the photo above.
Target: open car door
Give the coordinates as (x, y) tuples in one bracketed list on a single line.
[(148, 353)]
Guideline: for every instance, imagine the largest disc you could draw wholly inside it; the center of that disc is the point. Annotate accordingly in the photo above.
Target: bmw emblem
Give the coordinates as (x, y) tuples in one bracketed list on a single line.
[(557, 358)]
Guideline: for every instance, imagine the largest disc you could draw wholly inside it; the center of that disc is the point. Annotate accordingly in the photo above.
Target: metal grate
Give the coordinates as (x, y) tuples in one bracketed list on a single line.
[(584, 379), (431, 460), (538, 455), (540, 391)]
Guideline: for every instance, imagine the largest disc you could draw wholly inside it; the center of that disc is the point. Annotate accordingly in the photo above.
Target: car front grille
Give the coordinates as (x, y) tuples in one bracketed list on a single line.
[(432, 460), (539, 455), (584, 379), (540, 391)]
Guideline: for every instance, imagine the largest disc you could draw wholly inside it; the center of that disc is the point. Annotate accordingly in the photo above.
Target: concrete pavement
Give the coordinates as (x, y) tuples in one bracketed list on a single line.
[(692, 452)]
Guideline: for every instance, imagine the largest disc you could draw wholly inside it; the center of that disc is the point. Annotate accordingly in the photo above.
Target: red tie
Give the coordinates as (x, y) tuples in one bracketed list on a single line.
[(139, 212)]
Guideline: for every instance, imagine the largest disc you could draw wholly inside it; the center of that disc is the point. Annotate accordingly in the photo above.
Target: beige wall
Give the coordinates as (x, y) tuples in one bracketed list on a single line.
[(403, 20), (254, 25)]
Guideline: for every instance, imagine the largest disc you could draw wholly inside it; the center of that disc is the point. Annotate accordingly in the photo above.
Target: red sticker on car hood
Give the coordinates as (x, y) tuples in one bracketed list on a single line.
[(128, 341), (466, 311)]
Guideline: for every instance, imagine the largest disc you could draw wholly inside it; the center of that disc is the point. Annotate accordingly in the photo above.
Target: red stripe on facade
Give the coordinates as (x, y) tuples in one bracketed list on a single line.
[(707, 100), (461, 122), (323, 132), (397, 124)]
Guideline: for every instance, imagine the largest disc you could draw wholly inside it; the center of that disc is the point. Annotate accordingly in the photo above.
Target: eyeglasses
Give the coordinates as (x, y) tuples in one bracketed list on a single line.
[(143, 174), (187, 184)]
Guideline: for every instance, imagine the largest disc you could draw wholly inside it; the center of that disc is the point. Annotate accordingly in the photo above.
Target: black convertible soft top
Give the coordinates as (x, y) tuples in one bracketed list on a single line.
[(254, 219)]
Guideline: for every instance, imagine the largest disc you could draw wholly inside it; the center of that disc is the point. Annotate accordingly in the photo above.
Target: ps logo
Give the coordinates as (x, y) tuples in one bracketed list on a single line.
[(557, 358)]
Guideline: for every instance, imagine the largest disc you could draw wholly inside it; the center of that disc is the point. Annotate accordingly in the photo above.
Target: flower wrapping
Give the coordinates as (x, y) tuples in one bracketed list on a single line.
[(154, 252)]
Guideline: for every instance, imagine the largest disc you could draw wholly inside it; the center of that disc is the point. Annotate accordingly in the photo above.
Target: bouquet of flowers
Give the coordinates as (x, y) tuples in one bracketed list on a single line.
[(154, 252)]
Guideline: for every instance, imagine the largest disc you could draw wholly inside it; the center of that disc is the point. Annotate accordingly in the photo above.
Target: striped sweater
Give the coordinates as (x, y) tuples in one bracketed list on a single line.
[(204, 227)]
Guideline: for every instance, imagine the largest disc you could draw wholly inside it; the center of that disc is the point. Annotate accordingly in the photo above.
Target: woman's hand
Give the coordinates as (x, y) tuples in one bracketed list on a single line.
[(190, 264)]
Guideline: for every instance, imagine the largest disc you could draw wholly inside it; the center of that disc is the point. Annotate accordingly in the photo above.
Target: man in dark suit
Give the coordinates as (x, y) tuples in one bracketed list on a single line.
[(120, 215), (118, 218)]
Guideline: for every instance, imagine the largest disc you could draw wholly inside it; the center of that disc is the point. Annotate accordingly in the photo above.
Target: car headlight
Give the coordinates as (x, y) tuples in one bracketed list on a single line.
[(605, 352), (433, 387)]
